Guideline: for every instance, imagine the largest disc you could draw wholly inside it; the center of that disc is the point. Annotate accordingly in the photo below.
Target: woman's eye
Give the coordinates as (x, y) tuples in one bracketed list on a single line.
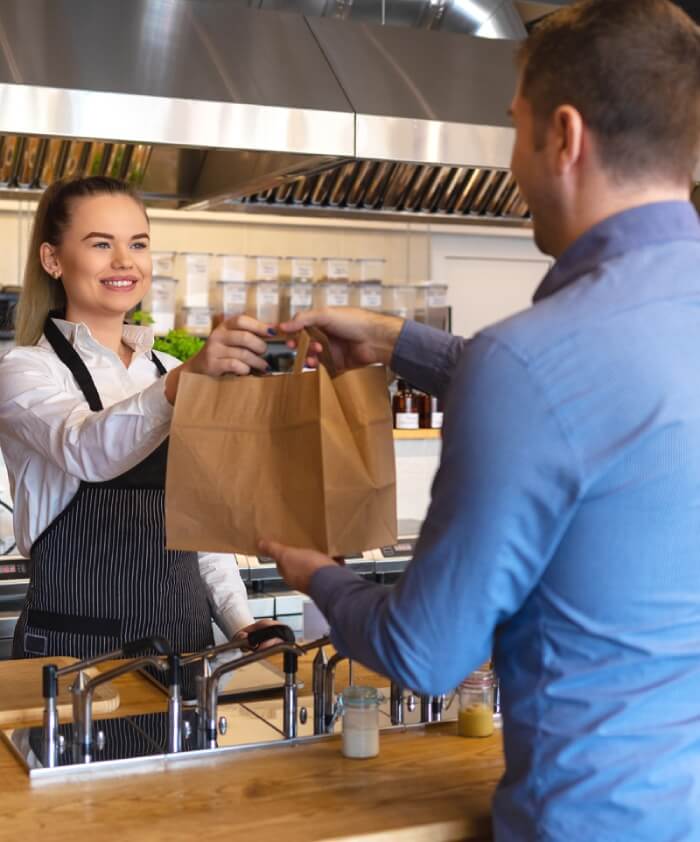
[(102, 244), (139, 246)]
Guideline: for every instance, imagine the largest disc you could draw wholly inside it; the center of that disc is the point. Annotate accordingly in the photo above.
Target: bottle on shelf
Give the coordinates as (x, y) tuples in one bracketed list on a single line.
[(435, 413), (405, 408)]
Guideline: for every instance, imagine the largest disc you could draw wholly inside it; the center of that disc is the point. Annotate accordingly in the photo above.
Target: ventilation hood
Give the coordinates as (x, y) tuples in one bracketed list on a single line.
[(302, 105)]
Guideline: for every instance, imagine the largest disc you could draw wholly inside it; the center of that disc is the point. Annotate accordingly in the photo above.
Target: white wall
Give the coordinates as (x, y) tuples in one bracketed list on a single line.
[(489, 276)]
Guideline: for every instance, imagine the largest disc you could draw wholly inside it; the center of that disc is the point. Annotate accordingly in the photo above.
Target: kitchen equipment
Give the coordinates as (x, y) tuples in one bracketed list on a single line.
[(21, 693)]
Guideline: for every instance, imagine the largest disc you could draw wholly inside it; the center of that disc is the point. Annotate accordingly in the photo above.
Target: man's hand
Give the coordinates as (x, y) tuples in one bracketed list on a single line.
[(297, 566), (357, 337)]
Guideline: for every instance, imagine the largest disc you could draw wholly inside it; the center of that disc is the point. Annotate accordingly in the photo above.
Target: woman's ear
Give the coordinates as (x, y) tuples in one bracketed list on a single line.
[(49, 260)]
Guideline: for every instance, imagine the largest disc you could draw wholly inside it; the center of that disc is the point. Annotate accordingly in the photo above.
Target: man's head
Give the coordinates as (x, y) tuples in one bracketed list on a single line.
[(607, 107)]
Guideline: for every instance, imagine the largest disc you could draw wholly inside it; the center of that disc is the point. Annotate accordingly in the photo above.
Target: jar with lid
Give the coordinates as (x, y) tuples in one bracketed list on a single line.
[(399, 300), (160, 301), (366, 294), (262, 267), (231, 267), (430, 410), (193, 274), (301, 269), (405, 408), (335, 269), (370, 269), (195, 320), (231, 297), (333, 293), (295, 295), (359, 707), (264, 301), (431, 305), (476, 704)]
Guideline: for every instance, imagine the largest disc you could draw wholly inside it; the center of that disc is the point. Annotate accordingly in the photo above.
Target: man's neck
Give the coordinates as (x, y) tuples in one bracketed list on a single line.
[(107, 330), (597, 205)]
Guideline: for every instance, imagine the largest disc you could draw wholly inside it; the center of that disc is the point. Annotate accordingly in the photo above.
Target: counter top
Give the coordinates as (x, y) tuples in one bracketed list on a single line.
[(424, 785)]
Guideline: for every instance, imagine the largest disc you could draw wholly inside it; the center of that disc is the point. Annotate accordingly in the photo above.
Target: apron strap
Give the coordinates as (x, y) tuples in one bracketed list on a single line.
[(71, 358), (159, 365)]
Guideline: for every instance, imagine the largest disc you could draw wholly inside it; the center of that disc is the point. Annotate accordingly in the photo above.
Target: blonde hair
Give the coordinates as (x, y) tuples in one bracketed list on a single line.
[(41, 294)]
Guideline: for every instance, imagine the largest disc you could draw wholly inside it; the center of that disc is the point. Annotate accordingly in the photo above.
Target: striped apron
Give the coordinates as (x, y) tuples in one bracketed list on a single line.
[(101, 575)]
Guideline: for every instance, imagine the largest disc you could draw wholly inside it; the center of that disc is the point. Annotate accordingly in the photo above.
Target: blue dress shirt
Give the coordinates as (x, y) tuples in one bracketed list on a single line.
[(564, 535)]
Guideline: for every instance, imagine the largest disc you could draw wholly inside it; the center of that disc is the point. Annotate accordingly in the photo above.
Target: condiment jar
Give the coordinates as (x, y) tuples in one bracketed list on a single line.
[(476, 696), (359, 707)]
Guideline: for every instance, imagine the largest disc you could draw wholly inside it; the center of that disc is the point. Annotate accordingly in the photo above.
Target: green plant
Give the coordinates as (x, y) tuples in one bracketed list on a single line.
[(180, 344), (141, 317)]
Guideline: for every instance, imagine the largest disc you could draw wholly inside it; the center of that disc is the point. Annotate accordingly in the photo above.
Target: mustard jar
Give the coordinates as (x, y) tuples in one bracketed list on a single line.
[(476, 701)]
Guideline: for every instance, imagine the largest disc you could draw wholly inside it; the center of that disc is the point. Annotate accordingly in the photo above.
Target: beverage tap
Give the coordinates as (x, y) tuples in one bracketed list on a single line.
[(396, 704)]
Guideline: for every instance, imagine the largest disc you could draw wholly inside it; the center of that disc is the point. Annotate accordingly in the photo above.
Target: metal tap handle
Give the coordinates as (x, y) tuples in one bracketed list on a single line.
[(284, 633), (49, 742), (128, 650)]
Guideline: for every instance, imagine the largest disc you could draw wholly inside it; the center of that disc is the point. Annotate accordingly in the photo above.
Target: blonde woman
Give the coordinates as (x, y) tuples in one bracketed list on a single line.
[(85, 409)]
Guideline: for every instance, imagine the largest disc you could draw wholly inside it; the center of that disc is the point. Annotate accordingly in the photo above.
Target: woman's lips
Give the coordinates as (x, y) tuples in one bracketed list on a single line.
[(119, 284)]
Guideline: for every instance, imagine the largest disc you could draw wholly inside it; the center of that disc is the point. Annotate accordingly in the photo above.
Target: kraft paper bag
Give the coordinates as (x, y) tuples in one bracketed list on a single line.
[(304, 458)]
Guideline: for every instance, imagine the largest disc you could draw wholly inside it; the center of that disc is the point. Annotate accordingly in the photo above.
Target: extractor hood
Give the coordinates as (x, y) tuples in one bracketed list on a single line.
[(210, 104)]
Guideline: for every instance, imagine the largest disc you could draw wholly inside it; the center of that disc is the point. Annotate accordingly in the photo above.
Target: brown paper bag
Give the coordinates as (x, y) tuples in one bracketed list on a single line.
[(304, 458)]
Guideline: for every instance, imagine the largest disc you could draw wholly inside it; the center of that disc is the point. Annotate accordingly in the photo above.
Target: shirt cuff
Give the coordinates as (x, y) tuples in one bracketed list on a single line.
[(425, 356)]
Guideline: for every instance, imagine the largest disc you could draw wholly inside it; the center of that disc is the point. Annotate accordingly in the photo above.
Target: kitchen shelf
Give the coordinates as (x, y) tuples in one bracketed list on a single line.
[(417, 434)]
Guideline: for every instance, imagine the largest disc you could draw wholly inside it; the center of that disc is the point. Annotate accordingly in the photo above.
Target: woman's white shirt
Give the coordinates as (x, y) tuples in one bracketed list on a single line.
[(51, 440)]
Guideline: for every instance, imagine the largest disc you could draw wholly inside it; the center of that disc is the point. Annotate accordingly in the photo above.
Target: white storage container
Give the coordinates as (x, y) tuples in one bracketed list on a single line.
[(399, 300), (301, 268), (335, 269), (431, 304), (193, 273), (195, 320), (262, 268), (264, 301), (331, 294), (163, 263), (231, 267), (161, 303), (295, 296), (366, 294), (370, 269), (231, 297)]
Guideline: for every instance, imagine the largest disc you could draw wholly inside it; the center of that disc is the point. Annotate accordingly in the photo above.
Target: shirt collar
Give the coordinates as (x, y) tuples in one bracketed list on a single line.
[(138, 337), (658, 222)]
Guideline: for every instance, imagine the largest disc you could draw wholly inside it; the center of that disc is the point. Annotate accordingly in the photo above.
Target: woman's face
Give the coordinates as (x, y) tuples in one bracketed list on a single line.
[(104, 258)]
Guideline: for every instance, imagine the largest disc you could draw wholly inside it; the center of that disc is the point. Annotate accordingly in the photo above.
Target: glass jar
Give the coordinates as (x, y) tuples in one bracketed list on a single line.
[(163, 263), (194, 277), (261, 267), (431, 305), (335, 269), (232, 267), (301, 269), (370, 269), (476, 698), (195, 320), (359, 707)]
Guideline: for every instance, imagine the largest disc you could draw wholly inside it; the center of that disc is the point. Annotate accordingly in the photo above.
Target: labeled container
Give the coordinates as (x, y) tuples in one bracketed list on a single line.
[(431, 305), (476, 704), (193, 272), (231, 267), (295, 295), (399, 300), (366, 294), (359, 707), (264, 301), (195, 320), (163, 263), (262, 268), (405, 406), (161, 303), (335, 269), (334, 293), (370, 269), (231, 297), (301, 269)]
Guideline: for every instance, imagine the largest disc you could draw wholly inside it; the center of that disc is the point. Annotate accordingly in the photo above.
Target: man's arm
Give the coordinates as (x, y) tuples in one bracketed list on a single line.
[(503, 496)]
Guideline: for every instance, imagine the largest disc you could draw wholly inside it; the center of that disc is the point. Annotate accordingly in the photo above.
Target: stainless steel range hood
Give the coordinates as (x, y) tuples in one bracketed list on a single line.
[(207, 104)]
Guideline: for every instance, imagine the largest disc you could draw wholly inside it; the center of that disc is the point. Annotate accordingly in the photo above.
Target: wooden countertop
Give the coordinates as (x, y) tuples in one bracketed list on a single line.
[(424, 785)]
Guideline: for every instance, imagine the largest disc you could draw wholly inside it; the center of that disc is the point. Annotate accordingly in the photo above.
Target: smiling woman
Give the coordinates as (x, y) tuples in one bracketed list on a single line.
[(85, 411)]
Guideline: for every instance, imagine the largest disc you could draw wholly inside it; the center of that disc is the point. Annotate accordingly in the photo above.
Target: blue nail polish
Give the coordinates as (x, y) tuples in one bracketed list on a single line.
[(271, 331)]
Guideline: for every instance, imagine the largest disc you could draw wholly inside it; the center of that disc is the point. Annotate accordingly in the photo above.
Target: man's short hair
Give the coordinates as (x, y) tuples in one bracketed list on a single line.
[(632, 70)]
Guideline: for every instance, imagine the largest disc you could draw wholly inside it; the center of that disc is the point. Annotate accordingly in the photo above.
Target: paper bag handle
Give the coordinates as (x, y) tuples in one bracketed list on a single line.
[(304, 339)]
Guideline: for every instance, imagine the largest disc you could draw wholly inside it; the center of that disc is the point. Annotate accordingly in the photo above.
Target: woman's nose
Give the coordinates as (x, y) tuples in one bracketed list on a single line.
[(121, 258)]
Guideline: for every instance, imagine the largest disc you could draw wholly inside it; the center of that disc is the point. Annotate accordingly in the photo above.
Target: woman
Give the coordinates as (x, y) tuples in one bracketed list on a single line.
[(85, 409)]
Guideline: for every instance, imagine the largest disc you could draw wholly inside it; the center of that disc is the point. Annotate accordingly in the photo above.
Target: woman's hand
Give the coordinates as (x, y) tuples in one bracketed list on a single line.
[(235, 346), (260, 624)]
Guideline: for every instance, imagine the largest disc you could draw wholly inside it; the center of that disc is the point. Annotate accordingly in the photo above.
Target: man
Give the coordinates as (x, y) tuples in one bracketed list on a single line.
[(564, 528)]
